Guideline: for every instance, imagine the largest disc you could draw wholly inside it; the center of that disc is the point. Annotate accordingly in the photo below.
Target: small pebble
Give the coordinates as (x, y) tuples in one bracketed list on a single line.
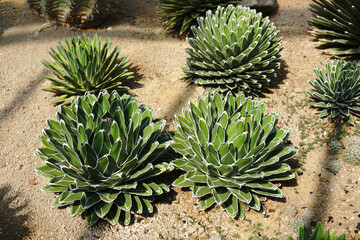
[(217, 237), (298, 90), (19, 167), (32, 182)]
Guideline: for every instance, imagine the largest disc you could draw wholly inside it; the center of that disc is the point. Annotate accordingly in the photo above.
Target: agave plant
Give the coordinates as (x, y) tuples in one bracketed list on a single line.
[(336, 25), (86, 66), (317, 234), (231, 151), (79, 13), (183, 13), (234, 49), (337, 90), (105, 157)]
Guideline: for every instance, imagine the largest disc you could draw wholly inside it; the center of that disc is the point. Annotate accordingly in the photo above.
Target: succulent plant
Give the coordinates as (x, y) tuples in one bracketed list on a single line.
[(309, 214), (183, 13), (336, 26), (86, 66), (335, 147), (78, 13), (354, 140), (351, 154), (299, 222), (290, 210), (105, 157), (234, 49), (334, 166), (231, 151), (317, 234), (337, 90)]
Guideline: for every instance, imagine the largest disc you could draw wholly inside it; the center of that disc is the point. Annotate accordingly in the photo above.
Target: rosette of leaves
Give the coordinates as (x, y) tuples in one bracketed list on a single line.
[(336, 25), (317, 234), (85, 65), (232, 153), (78, 13), (183, 13), (234, 49), (105, 157), (337, 90)]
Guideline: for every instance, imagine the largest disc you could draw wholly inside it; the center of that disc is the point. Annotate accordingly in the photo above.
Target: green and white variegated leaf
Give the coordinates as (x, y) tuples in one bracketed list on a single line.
[(105, 157), (81, 14), (336, 25), (85, 65), (231, 152), (336, 90), (181, 14), (317, 234), (233, 49)]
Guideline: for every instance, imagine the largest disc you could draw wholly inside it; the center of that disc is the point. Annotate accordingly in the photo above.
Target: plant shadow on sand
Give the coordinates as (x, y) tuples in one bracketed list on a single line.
[(12, 221)]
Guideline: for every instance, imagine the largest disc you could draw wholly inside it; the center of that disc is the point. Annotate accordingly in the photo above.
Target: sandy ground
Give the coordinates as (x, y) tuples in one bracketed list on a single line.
[(25, 211)]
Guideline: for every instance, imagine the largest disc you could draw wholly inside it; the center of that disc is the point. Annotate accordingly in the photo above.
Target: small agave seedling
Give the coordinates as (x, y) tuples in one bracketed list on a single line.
[(337, 90), (234, 49), (79, 13), (336, 26), (317, 234), (231, 151), (105, 157), (86, 66), (183, 13)]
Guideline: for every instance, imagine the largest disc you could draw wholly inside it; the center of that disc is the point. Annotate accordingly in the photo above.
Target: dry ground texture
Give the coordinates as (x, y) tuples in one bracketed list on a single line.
[(25, 210)]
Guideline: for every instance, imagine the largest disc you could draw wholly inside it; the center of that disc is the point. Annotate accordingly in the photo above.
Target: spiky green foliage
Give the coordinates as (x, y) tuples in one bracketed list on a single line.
[(104, 156), (354, 140), (334, 166), (181, 14), (335, 147), (231, 151), (234, 49), (85, 65), (317, 234), (79, 13), (336, 25), (351, 155), (337, 90)]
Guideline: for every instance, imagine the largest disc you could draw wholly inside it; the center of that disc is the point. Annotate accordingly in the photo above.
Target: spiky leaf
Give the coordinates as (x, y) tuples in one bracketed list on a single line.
[(100, 173), (240, 164), (85, 65), (234, 49)]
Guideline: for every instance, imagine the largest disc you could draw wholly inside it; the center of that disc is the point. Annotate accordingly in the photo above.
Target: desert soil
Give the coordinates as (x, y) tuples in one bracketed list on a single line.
[(25, 210)]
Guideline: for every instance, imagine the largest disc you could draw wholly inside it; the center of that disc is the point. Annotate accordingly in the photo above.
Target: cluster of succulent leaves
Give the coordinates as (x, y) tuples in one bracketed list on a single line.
[(79, 13), (335, 147), (337, 90), (351, 154), (336, 25), (231, 151), (181, 14), (234, 49), (317, 234), (85, 65), (105, 157)]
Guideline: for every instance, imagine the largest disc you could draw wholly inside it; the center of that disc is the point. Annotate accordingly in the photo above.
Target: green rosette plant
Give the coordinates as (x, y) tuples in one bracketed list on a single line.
[(183, 13), (234, 49), (105, 157), (336, 26), (78, 13), (337, 90), (232, 153), (317, 234), (86, 66)]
